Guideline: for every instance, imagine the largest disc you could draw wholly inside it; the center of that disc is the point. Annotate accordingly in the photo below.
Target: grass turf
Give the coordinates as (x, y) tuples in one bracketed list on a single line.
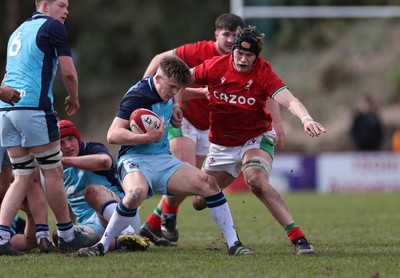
[(354, 236)]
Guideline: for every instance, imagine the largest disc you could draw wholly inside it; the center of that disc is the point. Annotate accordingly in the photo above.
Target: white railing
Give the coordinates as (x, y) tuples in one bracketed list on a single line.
[(237, 7)]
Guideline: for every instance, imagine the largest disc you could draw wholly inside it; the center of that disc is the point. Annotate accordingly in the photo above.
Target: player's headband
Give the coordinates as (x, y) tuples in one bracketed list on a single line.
[(246, 43)]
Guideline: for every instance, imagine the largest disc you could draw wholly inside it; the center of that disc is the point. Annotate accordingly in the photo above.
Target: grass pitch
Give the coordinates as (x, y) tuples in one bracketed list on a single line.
[(354, 236)]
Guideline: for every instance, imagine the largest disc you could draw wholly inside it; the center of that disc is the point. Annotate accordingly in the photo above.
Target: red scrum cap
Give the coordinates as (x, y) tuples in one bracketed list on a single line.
[(67, 128)]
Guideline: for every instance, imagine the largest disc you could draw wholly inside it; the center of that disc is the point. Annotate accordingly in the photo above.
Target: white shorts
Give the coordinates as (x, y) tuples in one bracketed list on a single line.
[(28, 128), (229, 159), (199, 137)]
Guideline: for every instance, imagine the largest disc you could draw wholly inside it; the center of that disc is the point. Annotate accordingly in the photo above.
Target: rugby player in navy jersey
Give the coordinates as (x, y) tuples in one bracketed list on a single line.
[(146, 165)]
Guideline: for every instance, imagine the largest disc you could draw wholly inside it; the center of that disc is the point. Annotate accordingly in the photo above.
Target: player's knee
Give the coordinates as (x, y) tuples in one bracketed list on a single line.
[(90, 192), (23, 165), (255, 178), (49, 159), (256, 174), (255, 185), (133, 197), (208, 185)]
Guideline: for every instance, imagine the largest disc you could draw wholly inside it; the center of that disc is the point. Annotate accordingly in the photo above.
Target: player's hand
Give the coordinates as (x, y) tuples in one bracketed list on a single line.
[(312, 128), (177, 115), (155, 134), (71, 105), (9, 95), (206, 92)]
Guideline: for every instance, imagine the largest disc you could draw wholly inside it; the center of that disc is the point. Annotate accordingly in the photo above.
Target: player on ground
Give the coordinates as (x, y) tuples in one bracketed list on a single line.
[(241, 133), (145, 165), (190, 142), (92, 187)]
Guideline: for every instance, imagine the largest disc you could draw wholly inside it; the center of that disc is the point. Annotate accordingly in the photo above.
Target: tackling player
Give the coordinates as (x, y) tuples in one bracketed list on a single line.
[(241, 133)]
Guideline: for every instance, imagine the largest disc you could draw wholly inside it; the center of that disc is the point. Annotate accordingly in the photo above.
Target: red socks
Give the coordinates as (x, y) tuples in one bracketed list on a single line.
[(293, 232), (154, 219), (169, 210)]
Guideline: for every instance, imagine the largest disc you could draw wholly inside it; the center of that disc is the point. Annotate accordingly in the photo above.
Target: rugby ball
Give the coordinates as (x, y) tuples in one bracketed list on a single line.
[(141, 119)]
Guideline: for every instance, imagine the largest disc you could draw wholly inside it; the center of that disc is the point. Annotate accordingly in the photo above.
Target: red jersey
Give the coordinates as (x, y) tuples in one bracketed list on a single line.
[(237, 100), (196, 111)]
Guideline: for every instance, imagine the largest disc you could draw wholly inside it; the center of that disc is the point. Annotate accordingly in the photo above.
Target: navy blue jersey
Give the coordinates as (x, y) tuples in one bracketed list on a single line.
[(32, 61), (76, 180), (144, 95)]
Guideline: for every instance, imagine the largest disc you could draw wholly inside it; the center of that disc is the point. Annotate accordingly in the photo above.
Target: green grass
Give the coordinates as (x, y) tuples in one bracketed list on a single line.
[(354, 236)]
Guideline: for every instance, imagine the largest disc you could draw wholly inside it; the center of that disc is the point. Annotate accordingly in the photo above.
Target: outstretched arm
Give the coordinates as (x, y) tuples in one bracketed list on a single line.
[(155, 62), (91, 162), (286, 99)]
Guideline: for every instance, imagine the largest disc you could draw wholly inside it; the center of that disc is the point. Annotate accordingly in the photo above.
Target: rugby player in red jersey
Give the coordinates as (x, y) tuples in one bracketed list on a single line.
[(190, 142), (241, 133)]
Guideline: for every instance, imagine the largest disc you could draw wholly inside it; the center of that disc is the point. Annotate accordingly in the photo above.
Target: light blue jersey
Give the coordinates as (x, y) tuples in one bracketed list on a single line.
[(77, 180), (32, 53)]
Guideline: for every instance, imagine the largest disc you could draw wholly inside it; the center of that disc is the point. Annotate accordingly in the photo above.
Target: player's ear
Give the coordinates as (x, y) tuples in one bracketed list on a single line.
[(157, 78), (45, 7)]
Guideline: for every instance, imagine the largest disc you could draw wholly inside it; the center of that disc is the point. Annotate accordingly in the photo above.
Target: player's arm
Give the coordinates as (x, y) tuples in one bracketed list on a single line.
[(91, 162), (274, 109), (70, 79), (193, 93), (177, 113), (120, 134), (155, 62), (287, 100)]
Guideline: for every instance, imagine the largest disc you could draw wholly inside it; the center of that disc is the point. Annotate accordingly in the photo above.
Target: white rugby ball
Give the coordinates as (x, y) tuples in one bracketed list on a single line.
[(141, 119)]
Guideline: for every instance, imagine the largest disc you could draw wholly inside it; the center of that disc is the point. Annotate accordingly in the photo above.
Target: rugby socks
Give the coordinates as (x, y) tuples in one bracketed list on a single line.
[(108, 209), (121, 218), (42, 230), (107, 212), (5, 234), (167, 209), (293, 232), (154, 219), (220, 212), (66, 231)]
